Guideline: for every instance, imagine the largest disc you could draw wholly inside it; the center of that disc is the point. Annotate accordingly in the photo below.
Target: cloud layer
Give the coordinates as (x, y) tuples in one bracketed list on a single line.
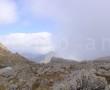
[(34, 43), (80, 23)]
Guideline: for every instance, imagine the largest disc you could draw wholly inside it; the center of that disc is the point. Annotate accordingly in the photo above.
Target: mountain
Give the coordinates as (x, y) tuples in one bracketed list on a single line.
[(15, 70), (9, 58), (47, 57), (4, 50), (61, 60), (104, 58), (35, 57), (40, 58), (19, 73)]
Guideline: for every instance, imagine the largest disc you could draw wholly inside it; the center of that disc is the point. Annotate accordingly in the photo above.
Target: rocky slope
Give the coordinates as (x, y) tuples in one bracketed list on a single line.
[(18, 73)]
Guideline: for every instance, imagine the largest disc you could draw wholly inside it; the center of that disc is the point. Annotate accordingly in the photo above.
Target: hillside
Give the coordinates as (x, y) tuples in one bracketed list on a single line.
[(19, 73)]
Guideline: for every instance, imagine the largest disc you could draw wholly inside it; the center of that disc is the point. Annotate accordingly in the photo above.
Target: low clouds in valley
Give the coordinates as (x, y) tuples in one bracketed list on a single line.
[(81, 27)]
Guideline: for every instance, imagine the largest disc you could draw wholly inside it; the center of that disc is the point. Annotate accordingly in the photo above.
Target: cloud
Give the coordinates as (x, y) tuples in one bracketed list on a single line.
[(59, 10), (34, 43), (79, 21), (8, 11)]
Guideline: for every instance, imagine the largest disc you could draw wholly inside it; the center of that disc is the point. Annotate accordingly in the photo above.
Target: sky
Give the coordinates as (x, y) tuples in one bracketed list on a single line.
[(76, 29)]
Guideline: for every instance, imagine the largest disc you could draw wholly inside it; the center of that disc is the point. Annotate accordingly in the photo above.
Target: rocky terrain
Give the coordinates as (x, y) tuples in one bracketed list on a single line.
[(19, 73)]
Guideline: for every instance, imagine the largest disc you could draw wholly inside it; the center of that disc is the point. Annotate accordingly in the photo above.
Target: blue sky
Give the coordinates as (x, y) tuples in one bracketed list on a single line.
[(29, 26), (26, 21), (77, 29), (19, 26)]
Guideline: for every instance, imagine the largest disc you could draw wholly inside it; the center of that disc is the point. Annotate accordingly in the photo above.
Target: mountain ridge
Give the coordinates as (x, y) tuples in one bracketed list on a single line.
[(19, 73)]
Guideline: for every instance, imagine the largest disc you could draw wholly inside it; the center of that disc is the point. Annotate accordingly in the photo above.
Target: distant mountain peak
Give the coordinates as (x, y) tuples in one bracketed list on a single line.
[(61, 60), (48, 57)]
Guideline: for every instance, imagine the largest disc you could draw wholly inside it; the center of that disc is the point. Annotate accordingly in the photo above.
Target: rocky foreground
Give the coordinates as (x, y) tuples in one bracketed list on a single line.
[(18, 73), (25, 75)]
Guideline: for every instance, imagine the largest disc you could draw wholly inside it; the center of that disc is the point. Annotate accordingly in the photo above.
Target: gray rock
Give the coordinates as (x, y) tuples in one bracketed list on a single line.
[(6, 72), (81, 80)]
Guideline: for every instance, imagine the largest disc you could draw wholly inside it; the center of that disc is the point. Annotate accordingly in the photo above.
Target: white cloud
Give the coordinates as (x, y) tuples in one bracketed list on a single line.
[(60, 10), (64, 14), (8, 11), (39, 43), (78, 21)]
